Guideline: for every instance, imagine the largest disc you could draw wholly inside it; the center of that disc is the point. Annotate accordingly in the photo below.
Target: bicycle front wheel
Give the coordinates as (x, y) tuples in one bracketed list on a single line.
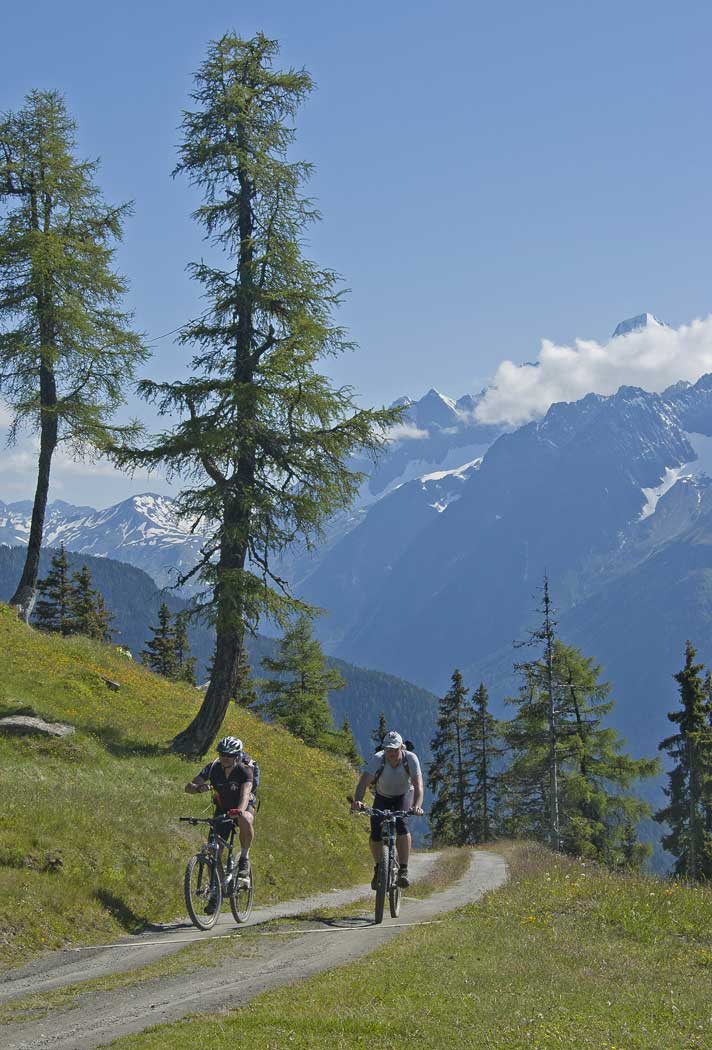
[(394, 891), (203, 891), (241, 899), (381, 886)]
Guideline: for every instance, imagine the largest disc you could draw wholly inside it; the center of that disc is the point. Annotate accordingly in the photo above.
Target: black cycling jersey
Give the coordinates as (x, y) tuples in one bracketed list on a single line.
[(227, 789)]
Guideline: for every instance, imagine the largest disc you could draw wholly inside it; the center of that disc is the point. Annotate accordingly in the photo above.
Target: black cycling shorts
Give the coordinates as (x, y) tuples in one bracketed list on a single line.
[(227, 823), (385, 802)]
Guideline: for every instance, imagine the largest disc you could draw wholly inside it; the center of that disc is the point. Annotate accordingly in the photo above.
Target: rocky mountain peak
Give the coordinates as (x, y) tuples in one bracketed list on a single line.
[(637, 324)]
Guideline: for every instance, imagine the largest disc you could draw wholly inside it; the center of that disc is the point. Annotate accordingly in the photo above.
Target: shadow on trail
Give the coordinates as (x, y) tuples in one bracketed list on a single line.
[(342, 922)]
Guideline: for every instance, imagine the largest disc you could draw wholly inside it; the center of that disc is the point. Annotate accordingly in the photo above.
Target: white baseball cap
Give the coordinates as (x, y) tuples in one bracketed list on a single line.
[(392, 740)]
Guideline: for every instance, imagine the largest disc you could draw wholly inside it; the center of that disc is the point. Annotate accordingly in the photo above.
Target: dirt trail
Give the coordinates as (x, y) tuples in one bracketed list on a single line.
[(103, 1016)]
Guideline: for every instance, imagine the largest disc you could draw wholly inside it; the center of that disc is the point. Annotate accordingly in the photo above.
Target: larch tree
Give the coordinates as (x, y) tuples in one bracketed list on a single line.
[(67, 349), (263, 437), (690, 779), (597, 814), (297, 693)]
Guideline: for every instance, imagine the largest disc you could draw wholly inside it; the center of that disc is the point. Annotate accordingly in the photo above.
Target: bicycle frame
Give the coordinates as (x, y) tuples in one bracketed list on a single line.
[(222, 880), (388, 873)]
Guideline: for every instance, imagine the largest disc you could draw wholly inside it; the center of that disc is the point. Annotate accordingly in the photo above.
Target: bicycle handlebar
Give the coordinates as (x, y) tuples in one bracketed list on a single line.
[(395, 813), (230, 815)]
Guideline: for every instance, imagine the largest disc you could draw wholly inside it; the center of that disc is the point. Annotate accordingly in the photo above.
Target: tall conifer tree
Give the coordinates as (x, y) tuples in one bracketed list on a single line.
[(67, 350), (263, 437), (448, 773), (484, 751)]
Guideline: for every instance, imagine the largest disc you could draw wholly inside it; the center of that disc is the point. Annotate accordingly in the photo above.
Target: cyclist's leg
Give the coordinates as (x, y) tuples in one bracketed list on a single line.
[(246, 827), (374, 841), (403, 844)]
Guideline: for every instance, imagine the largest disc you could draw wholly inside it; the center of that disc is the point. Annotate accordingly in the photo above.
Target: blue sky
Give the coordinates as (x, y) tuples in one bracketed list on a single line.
[(489, 175)]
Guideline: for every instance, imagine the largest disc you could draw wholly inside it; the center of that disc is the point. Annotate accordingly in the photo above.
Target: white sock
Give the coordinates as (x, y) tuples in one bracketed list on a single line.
[(245, 852)]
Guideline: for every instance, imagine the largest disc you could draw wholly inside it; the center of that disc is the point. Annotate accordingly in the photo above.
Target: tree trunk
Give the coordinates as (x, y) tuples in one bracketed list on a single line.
[(24, 597)]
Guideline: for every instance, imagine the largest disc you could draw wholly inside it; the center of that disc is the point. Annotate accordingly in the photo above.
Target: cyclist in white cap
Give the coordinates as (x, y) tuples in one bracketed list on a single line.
[(392, 771)]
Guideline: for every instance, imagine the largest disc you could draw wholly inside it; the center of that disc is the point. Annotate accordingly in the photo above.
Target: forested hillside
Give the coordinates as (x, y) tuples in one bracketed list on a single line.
[(134, 600)]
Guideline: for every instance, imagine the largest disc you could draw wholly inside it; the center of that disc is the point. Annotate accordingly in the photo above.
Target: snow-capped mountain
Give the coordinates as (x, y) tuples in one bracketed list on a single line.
[(608, 495), (437, 436), (144, 531), (637, 324)]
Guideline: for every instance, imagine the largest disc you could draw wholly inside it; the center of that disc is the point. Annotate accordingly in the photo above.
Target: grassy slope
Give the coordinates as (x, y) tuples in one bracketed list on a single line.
[(565, 956), (90, 845)]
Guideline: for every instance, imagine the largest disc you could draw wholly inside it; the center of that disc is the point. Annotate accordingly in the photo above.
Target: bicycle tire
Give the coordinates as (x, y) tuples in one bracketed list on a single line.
[(241, 900), (394, 890), (381, 887), (201, 885)]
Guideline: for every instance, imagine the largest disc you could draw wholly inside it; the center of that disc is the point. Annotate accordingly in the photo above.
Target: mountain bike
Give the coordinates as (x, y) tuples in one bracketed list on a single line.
[(208, 881), (387, 879)]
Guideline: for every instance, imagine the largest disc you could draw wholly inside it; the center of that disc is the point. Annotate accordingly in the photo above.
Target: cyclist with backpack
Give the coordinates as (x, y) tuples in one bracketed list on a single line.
[(233, 778), (391, 772)]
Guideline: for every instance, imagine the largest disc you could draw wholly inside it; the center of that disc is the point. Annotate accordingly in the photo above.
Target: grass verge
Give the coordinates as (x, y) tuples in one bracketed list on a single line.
[(566, 955)]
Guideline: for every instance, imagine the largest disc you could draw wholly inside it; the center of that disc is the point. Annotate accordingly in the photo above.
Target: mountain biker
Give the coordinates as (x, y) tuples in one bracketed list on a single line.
[(231, 779), (392, 771)]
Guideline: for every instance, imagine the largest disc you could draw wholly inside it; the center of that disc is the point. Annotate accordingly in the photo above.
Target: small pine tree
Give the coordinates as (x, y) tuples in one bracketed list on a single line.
[(350, 748), (447, 774), (690, 779), (52, 612), (379, 732), (245, 691), (160, 652), (297, 695), (184, 662), (88, 612), (102, 619)]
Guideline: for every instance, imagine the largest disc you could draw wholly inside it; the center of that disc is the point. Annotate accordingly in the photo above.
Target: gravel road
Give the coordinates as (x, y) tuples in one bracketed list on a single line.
[(102, 1017)]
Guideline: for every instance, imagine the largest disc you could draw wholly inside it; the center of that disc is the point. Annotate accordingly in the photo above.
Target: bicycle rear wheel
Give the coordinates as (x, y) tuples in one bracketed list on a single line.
[(241, 899), (381, 886), (203, 891)]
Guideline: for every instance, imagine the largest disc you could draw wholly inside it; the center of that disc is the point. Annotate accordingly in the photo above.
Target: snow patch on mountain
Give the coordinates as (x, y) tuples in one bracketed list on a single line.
[(459, 472), (653, 495)]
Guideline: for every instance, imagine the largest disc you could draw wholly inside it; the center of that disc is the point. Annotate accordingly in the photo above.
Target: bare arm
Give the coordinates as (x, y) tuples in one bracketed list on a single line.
[(417, 783), (365, 780), (197, 786), (245, 792)]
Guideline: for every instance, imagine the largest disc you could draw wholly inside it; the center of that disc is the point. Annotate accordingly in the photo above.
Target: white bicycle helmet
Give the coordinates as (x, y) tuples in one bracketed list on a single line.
[(230, 745)]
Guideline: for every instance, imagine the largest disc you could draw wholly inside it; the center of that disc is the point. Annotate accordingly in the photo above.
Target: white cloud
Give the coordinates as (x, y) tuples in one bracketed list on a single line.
[(405, 432), (652, 358)]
